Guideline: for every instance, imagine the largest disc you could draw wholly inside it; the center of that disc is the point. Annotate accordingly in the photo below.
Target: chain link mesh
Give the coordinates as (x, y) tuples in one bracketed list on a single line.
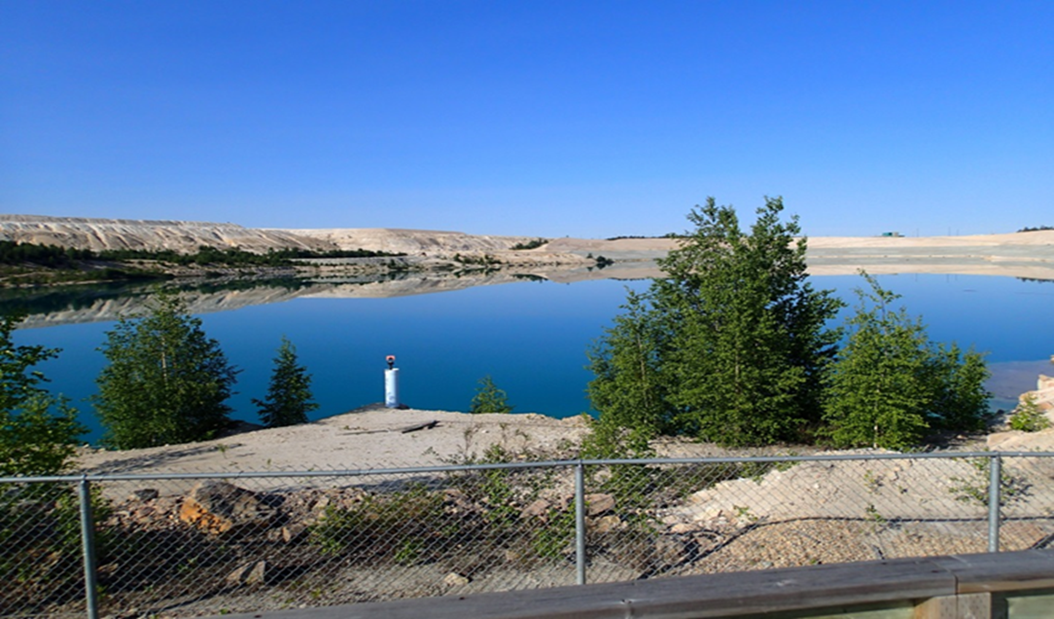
[(194, 545)]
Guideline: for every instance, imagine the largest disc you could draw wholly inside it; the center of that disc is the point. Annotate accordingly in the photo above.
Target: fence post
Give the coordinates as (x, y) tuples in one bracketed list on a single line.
[(580, 523), (995, 478), (91, 585)]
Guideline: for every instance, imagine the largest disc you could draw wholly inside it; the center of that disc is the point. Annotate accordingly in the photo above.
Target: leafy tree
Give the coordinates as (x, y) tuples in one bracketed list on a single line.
[(489, 399), (890, 385), (166, 382), (38, 431), (746, 345), (289, 397), (629, 387)]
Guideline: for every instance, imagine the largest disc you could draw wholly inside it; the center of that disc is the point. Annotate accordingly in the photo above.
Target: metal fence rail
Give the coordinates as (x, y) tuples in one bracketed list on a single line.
[(193, 544)]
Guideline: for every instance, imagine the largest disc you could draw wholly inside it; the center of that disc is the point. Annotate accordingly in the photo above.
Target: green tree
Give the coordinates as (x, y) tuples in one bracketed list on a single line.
[(890, 385), (746, 343), (38, 431), (628, 385), (289, 397), (166, 382), (489, 399)]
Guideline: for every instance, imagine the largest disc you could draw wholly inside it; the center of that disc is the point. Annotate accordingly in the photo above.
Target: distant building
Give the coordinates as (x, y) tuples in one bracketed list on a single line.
[(892, 234)]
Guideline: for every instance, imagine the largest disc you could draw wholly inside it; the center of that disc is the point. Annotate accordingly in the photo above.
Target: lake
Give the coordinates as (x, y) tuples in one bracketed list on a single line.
[(531, 337)]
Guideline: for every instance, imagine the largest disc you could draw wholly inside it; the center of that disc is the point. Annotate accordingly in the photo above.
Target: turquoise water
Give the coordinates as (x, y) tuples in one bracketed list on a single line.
[(530, 337)]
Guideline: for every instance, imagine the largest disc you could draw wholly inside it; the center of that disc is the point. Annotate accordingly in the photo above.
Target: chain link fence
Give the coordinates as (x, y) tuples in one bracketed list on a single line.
[(200, 544)]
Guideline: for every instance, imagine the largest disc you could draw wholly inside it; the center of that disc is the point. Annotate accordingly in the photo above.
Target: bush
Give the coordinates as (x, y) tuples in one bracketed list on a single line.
[(1027, 417), (489, 399)]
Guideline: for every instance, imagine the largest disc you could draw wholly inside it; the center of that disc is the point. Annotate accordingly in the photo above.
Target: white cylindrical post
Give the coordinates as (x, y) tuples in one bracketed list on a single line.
[(391, 388)]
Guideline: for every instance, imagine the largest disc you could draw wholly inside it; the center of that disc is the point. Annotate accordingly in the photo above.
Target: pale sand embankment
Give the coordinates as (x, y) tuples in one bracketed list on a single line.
[(371, 437)]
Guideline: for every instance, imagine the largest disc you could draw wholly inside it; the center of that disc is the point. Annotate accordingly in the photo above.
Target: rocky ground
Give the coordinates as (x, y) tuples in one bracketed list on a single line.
[(241, 542)]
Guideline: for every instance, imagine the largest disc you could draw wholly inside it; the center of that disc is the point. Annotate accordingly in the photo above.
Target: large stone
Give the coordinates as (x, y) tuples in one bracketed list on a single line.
[(537, 509), (606, 524), (597, 504), (219, 507), (144, 494), (250, 574)]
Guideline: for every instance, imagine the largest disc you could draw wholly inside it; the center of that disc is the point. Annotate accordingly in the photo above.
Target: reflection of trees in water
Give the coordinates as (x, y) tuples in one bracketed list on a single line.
[(53, 300), (1035, 279), (33, 301)]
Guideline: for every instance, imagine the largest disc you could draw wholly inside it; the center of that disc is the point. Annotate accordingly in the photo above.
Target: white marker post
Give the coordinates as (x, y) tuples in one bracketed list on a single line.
[(391, 384)]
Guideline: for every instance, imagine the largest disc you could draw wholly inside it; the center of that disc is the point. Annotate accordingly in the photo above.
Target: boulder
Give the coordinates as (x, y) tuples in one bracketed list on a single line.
[(537, 509), (249, 574), (144, 494), (597, 504), (219, 507), (606, 524), (453, 579)]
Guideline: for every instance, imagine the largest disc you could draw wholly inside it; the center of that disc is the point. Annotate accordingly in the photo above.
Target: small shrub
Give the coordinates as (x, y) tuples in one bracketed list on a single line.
[(489, 398), (974, 489), (1027, 417), (532, 244), (393, 526)]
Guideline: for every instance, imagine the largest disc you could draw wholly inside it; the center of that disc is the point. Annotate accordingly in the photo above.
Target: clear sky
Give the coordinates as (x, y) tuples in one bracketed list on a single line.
[(588, 119)]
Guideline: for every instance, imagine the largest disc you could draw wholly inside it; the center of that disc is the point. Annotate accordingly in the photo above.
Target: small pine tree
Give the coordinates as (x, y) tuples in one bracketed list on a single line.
[(289, 398), (489, 399)]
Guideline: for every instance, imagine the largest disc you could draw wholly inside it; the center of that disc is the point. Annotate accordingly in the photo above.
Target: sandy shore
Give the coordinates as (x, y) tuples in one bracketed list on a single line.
[(372, 437)]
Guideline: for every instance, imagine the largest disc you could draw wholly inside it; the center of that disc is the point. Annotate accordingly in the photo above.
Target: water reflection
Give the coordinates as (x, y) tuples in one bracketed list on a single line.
[(530, 335)]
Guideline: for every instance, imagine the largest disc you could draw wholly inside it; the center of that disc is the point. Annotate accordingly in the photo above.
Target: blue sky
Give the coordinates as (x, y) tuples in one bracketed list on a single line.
[(587, 119)]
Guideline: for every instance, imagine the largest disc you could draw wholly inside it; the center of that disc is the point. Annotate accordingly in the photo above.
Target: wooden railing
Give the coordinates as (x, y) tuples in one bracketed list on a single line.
[(1011, 585)]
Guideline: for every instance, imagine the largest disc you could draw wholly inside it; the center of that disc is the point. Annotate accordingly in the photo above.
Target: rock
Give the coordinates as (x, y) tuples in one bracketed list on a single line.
[(670, 551), (219, 507), (293, 533), (249, 574), (681, 528), (453, 579), (537, 509), (606, 524), (597, 504), (144, 494)]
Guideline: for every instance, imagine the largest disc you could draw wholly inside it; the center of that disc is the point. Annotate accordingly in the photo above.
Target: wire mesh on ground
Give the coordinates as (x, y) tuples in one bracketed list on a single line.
[(184, 545)]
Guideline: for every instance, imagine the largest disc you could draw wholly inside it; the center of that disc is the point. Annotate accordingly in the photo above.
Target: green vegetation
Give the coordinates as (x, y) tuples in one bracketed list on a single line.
[(732, 346), (166, 382), (29, 264), (489, 399), (391, 524), (532, 244), (38, 431), (1027, 417), (51, 256), (1036, 228), (235, 256), (485, 260), (289, 397), (890, 385)]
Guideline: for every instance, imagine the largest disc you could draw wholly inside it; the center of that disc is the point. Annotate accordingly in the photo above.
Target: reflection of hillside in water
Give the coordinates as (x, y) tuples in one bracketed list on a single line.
[(48, 307), (53, 306)]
